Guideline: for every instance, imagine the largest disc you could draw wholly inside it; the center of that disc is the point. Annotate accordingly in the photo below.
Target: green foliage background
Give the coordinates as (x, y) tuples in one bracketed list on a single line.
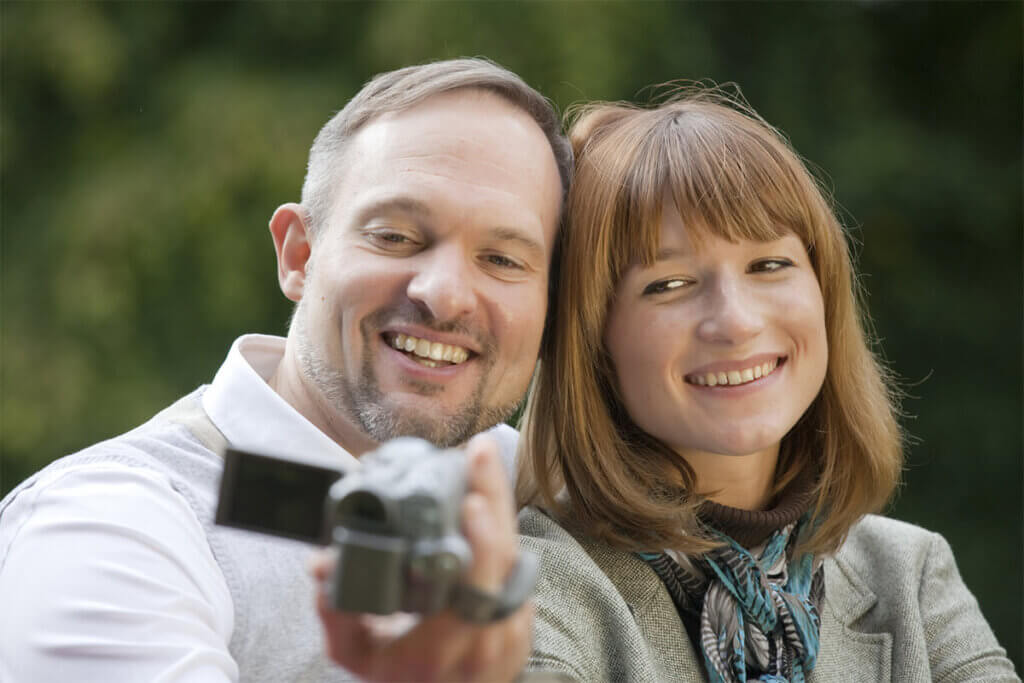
[(145, 146)]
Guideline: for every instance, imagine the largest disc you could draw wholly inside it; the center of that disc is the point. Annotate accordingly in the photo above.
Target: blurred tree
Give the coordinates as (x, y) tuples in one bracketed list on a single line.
[(145, 145)]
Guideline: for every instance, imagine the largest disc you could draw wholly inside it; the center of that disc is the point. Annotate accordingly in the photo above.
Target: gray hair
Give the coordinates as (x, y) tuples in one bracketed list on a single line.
[(404, 88)]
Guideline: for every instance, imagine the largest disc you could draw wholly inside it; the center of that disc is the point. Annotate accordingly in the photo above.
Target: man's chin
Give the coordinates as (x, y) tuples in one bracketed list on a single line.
[(444, 430)]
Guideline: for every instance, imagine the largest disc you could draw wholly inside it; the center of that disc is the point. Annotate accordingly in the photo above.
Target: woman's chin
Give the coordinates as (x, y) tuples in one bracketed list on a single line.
[(736, 446)]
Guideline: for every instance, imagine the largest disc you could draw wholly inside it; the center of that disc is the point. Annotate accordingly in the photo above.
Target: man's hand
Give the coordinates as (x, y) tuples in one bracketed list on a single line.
[(444, 647)]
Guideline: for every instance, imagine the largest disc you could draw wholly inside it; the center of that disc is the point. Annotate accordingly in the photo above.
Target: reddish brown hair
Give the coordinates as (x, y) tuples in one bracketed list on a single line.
[(734, 175)]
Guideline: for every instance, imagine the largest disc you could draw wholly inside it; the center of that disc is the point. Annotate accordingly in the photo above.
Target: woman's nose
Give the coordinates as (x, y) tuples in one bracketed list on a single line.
[(733, 314)]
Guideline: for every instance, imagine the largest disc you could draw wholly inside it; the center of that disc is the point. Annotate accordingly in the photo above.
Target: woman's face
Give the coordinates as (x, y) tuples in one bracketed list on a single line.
[(719, 349)]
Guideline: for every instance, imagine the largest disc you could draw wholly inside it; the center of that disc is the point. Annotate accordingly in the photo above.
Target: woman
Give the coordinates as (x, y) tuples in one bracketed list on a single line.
[(709, 429)]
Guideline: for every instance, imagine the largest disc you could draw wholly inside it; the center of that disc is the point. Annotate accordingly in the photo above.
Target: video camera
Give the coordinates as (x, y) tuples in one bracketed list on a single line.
[(395, 522)]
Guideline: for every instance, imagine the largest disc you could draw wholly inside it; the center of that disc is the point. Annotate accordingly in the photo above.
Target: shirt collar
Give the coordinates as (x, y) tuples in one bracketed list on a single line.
[(253, 417)]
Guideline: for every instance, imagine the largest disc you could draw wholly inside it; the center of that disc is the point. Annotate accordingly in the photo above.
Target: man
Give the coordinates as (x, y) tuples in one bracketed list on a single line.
[(418, 261)]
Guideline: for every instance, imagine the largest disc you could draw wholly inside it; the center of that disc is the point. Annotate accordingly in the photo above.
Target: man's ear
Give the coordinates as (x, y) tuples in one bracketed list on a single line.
[(292, 242)]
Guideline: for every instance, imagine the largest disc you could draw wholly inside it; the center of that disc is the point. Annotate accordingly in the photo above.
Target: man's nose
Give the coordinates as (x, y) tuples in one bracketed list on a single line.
[(443, 284), (733, 314)]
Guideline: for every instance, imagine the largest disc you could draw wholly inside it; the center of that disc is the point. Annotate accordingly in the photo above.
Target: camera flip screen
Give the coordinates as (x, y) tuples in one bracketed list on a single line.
[(274, 496)]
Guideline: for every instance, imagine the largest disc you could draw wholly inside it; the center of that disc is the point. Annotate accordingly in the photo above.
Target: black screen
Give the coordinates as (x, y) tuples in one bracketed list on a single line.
[(274, 496)]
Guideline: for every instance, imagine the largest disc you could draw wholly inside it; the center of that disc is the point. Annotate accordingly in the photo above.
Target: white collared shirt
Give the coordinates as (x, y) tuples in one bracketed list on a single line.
[(163, 610)]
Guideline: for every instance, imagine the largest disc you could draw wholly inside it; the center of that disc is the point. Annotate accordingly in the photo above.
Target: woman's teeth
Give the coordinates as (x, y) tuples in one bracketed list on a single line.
[(431, 354), (734, 377)]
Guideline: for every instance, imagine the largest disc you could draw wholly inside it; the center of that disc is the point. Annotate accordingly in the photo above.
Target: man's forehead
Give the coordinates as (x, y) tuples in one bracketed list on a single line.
[(475, 147), (474, 119)]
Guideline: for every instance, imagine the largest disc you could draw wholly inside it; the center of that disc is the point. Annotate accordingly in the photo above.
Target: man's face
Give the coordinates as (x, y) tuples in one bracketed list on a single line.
[(425, 297)]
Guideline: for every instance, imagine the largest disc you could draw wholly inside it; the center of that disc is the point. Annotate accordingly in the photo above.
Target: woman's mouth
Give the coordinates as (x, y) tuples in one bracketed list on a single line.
[(736, 377)]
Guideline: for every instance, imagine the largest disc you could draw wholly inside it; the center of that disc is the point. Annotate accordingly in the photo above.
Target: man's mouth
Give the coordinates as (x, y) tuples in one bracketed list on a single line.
[(425, 352), (736, 377)]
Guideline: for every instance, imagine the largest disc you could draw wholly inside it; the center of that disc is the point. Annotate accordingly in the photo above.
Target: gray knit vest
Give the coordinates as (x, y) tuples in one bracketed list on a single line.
[(277, 635)]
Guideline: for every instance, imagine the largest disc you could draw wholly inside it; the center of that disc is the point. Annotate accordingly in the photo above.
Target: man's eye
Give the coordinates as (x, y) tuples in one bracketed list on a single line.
[(771, 265), (663, 286), (388, 239)]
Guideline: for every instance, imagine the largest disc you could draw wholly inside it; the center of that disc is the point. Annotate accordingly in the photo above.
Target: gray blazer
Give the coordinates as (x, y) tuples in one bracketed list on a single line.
[(895, 609)]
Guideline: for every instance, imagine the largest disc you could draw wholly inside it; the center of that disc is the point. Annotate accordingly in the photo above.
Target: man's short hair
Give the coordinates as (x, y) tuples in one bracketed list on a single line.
[(401, 89)]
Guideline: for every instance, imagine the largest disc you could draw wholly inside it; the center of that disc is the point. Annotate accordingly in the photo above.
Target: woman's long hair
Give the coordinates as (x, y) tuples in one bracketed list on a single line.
[(733, 176)]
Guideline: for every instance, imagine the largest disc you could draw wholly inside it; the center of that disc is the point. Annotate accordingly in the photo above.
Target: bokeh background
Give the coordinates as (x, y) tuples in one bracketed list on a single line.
[(145, 146)]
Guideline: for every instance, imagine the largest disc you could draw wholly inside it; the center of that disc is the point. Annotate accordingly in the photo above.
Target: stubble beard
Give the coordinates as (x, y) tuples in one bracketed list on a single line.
[(362, 400)]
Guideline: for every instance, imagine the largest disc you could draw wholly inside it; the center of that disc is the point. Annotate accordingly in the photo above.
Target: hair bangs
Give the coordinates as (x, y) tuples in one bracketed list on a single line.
[(618, 154), (640, 206), (731, 178)]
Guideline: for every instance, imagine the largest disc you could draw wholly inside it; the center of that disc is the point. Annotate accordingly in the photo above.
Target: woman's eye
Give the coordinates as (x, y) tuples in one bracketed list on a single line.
[(663, 286), (771, 265), (502, 261)]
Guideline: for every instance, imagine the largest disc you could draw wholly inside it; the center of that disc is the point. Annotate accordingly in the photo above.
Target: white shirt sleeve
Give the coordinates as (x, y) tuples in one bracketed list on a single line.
[(106, 575)]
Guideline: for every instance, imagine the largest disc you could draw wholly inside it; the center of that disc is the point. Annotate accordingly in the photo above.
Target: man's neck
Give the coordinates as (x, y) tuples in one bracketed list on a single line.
[(291, 385)]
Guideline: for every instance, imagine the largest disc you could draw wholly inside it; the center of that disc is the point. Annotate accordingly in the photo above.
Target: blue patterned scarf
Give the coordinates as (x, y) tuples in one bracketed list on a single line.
[(758, 611)]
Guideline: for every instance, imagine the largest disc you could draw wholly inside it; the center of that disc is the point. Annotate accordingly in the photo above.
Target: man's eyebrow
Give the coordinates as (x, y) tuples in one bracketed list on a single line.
[(406, 205), (508, 234), (421, 210)]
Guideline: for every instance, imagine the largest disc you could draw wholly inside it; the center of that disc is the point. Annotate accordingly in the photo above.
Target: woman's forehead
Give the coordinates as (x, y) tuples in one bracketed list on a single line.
[(678, 234)]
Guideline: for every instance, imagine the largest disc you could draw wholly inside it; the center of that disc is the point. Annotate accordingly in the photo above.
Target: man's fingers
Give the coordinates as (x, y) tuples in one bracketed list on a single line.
[(351, 638), (488, 517), (347, 638), (487, 474), (444, 647), (432, 649), (394, 647), (321, 563), (491, 557)]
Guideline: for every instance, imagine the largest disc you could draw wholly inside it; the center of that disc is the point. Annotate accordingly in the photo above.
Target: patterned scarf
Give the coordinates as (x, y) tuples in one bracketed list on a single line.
[(757, 611)]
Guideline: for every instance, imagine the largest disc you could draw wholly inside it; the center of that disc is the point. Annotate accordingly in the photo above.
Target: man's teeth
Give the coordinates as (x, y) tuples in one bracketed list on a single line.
[(430, 352), (734, 377)]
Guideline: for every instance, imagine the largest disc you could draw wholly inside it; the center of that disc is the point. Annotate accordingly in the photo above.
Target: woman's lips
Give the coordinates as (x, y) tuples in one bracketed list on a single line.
[(735, 377)]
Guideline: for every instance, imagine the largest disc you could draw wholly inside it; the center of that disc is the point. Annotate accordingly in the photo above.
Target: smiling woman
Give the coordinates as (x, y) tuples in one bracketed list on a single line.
[(739, 309), (709, 431), (721, 247)]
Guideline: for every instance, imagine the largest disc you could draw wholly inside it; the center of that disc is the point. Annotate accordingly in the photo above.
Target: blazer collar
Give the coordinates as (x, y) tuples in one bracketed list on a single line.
[(844, 649), (669, 646), (846, 592), (846, 652)]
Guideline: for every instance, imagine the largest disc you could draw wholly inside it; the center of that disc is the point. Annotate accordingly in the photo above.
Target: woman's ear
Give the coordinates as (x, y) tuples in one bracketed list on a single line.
[(293, 246)]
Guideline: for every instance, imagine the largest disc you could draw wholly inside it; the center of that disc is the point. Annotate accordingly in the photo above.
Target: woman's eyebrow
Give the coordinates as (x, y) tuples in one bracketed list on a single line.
[(669, 253)]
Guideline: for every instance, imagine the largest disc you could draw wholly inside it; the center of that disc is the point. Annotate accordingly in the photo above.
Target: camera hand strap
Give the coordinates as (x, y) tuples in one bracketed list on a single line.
[(481, 607)]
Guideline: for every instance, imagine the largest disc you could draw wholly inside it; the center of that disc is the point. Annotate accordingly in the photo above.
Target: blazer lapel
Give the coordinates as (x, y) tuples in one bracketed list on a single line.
[(847, 654), (668, 646)]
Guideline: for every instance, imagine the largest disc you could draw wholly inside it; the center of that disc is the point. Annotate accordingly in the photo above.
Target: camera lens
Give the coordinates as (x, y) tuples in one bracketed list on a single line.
[(362, 510)]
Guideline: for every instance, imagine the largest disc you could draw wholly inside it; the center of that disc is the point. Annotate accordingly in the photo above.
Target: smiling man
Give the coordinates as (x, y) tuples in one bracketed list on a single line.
[(424, 286), (418, 260)]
